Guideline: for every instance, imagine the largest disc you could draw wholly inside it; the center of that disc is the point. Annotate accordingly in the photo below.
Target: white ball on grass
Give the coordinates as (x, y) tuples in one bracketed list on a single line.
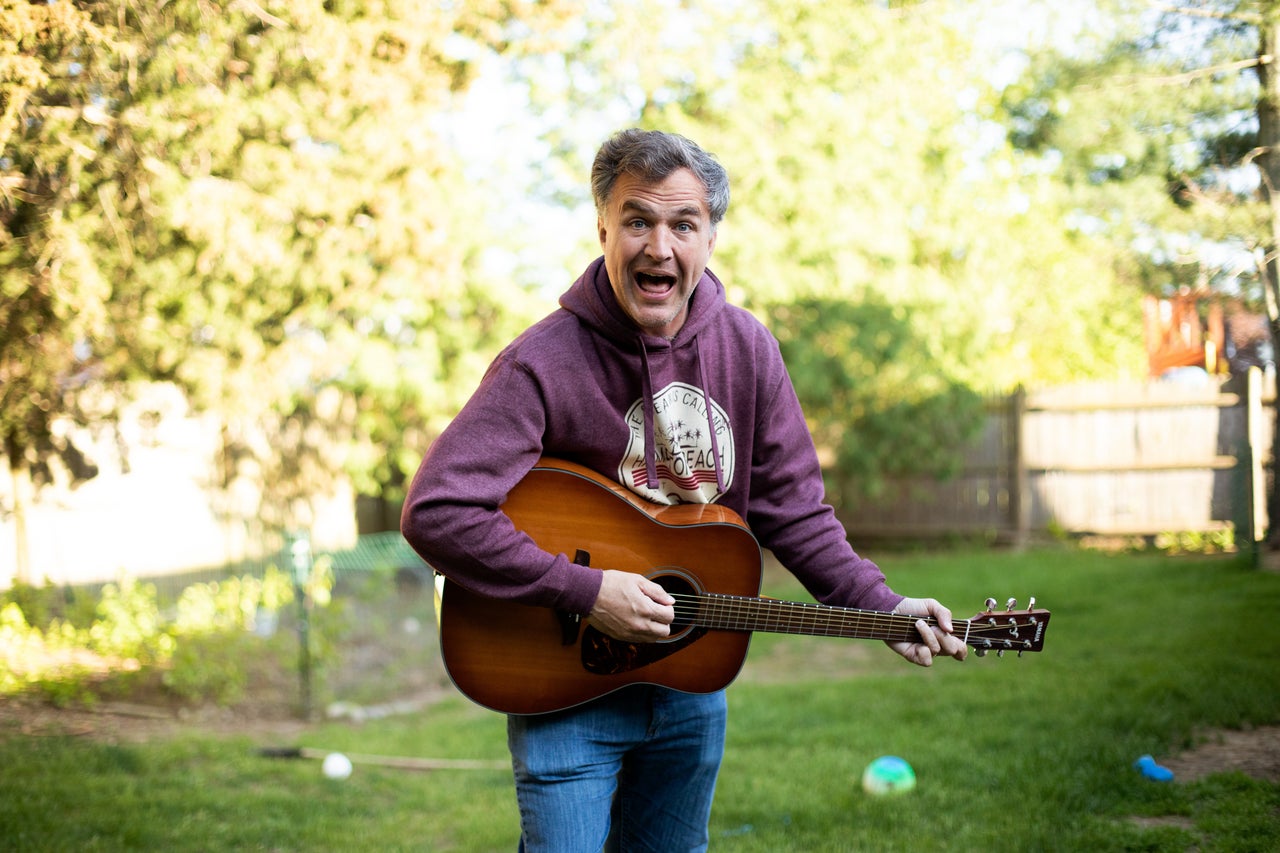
[(336, 766)]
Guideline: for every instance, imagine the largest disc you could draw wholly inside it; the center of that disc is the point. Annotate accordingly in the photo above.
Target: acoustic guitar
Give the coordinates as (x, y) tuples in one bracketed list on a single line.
[(521, 659)]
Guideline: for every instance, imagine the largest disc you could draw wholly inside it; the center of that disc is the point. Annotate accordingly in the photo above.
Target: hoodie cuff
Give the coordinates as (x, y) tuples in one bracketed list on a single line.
[(579, 585)]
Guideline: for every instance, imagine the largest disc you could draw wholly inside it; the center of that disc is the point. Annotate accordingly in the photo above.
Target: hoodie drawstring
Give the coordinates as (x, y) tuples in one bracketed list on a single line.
[(646, 396), (711, 420), (650, 442)]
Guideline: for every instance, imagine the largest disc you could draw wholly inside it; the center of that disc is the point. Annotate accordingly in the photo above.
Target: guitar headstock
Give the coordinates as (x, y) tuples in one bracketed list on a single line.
[(1007, 630)]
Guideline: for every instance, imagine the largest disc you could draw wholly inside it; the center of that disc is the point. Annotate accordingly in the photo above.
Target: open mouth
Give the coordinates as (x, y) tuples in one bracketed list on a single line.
[(655, 283)]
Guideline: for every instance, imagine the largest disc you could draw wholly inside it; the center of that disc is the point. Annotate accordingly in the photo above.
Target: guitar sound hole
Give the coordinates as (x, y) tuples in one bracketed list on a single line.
[(685, 588)]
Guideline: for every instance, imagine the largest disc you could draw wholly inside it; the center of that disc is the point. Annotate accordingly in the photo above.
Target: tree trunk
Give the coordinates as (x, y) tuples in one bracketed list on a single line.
[(20, 472), (1269, 162)]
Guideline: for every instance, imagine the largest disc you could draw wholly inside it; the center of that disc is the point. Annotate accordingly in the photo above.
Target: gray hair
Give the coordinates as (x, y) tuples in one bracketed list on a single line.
[(652, 155)]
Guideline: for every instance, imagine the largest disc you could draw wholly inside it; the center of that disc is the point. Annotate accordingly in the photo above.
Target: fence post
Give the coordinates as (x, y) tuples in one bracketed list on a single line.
[(1020, 499), (1257, 483), (299, 545)]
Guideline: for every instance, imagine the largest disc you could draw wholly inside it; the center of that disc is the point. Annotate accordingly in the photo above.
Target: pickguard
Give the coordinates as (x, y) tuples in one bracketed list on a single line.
[(604, 655)]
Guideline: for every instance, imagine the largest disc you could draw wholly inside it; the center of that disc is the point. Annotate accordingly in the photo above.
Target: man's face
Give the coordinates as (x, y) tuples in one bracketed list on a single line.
[(657, 239)]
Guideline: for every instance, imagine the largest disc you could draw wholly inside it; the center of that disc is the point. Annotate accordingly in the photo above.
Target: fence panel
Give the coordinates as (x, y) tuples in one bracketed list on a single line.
[(1120, 459)]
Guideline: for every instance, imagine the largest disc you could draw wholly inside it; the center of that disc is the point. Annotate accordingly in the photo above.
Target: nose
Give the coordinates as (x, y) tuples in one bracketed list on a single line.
[(658, 246)]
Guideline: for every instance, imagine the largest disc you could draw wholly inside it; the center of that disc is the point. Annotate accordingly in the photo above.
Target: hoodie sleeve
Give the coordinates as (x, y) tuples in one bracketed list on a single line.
[(453, 510), (789, 514)]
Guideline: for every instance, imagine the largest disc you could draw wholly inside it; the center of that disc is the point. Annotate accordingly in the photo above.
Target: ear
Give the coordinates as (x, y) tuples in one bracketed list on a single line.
[(711, 247), (601, 229)]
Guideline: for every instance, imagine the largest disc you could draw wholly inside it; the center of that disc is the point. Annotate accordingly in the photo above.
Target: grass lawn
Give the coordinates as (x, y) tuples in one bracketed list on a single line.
[(1144, 654)]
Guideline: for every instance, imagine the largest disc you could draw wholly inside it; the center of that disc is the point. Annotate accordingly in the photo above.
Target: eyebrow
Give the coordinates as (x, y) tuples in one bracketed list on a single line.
[(689, 210)]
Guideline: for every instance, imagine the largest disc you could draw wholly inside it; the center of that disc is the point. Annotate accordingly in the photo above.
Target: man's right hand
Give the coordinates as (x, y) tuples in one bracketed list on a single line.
[(633, 608)]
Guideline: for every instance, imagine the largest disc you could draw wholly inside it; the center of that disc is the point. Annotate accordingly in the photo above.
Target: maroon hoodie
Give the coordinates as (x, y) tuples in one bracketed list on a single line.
[(708, 416)]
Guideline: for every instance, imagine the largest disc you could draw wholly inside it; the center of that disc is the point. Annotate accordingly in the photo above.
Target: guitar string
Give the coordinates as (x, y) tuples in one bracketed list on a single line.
[(750, 606), (745, 613)]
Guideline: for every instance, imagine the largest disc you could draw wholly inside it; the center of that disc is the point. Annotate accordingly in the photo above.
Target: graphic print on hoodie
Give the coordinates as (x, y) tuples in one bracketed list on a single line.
[(685, 453)]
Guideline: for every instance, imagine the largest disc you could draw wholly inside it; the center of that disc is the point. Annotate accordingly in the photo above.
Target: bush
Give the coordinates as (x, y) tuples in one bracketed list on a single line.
[(50, 650)]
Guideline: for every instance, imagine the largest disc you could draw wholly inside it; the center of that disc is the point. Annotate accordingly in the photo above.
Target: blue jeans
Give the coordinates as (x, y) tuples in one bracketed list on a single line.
[(632, 771)]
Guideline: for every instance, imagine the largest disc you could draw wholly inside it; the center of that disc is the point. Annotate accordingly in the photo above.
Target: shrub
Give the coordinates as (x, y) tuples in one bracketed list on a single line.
[(200, 654)]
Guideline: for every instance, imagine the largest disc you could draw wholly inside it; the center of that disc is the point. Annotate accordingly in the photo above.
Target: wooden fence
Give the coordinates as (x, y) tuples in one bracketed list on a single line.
[(1139, 459)]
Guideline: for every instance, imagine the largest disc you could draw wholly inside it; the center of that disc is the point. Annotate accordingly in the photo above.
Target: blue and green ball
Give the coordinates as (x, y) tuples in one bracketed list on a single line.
[(888, 774)]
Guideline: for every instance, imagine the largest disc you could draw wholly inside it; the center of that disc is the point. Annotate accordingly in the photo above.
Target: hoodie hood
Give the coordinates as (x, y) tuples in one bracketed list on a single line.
[(592, 301)]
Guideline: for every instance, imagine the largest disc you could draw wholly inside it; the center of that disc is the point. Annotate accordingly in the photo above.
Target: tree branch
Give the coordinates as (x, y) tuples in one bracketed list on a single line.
[(260, 13), (1187, 76), (1216, 14)]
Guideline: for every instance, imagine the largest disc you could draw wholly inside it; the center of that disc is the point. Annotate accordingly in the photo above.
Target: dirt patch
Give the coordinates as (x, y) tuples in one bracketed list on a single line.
[(1254, 752)]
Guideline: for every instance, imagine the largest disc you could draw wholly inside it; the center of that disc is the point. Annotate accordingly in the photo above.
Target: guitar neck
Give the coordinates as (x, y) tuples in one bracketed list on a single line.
[(744, 613)]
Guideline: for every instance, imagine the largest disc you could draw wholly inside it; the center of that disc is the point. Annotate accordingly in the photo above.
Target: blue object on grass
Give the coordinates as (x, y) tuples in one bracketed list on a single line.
[(1151, 770)]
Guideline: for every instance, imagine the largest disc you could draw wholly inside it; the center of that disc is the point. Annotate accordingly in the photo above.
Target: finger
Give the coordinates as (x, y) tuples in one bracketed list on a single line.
[(664, 616), (942, 615), (953, 646), (929, 636), (656, 593), (917, 653)]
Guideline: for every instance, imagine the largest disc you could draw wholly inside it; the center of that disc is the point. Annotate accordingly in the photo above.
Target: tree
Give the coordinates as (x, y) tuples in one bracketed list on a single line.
[(46, 124), (252, 202)]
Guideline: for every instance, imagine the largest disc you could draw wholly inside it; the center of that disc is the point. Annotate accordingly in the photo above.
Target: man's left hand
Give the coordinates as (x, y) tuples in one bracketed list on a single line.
[(935, 640)]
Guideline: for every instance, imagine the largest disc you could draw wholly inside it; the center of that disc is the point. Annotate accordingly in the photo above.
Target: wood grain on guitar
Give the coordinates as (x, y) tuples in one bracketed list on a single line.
[(520, 659)]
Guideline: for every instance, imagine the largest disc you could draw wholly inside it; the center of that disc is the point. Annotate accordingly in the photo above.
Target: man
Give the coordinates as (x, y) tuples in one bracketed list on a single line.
[(645, 374)]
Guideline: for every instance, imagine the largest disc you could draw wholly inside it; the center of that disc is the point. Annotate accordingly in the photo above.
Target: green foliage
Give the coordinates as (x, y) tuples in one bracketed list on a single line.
[(211, 667), (871, 165), (47, 126), (231, 605), (878, 399), (1153, 128), (1197, 542), (252, 202), (42, 605), (869, 160), (206, 651), (128, 626)]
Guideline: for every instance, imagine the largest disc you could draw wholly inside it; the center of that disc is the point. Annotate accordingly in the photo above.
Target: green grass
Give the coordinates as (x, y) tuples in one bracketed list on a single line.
[(1142, 654)]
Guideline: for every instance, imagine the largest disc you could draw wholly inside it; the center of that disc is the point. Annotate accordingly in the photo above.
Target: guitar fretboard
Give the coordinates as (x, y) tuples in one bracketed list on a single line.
[(744, 613)]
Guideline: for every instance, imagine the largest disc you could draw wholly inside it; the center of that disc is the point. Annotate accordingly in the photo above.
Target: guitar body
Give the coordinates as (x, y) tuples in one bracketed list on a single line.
[(520, 659)]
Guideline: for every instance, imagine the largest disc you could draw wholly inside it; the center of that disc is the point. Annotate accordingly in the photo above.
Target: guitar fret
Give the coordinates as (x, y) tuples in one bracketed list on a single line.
[(740, 613)]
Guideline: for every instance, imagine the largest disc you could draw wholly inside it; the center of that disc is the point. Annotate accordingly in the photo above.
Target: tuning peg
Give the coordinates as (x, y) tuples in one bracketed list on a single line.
[(982, 653), (1031, 605), (991, 602), (1012, 603), (1000, 653)]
